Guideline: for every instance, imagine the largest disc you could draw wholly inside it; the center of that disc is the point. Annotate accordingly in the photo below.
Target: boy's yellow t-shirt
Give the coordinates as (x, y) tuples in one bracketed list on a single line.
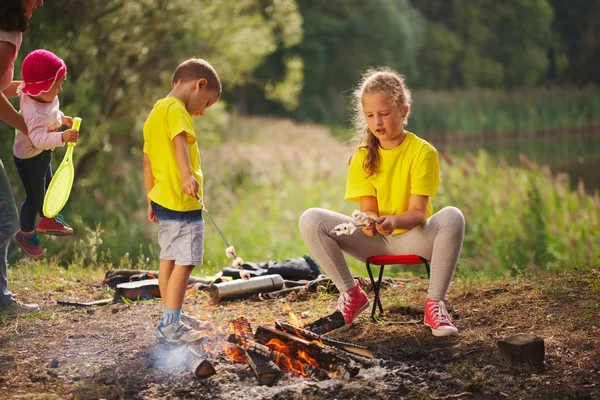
[(411, 168), (168, 119)]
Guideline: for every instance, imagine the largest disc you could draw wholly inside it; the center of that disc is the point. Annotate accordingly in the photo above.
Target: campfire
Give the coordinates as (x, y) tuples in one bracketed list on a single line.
[(269, 351)]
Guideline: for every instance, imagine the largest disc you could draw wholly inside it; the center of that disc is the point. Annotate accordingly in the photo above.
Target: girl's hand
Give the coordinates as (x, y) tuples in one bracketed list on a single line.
[(67, 121), (151, 216), (70, 135), (385, 225), (369, 230), (189, 186)]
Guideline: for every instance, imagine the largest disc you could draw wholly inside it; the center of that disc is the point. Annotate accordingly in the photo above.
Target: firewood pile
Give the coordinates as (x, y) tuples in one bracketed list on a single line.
[(268, 351)]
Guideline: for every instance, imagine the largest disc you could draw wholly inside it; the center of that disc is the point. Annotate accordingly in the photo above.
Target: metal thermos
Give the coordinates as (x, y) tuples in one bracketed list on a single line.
[(242, 288)]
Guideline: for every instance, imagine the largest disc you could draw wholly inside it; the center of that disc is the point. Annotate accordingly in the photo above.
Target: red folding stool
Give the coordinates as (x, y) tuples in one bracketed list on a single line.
[(382, 261)]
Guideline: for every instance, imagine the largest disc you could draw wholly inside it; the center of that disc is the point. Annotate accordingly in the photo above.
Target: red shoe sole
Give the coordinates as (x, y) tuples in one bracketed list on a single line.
[(54, 233), (441, 332)]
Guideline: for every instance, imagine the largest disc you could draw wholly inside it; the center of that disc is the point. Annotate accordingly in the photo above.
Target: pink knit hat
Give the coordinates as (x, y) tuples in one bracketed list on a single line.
[(40, 69)]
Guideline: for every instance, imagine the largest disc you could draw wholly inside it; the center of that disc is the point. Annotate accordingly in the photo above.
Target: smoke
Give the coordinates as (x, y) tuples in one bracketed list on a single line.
[(167, 358)]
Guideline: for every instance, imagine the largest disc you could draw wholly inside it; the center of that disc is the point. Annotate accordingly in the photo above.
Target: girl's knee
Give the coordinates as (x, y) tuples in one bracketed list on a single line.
[(309, 218), (453, 216)]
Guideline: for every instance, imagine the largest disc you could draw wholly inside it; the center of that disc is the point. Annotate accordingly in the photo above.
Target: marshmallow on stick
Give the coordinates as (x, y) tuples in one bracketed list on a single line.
[(348, 228), (238, 261)]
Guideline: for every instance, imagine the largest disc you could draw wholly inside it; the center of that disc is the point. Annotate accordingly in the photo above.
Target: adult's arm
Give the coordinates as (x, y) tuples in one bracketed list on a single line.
[(11, 90), (9, 115)]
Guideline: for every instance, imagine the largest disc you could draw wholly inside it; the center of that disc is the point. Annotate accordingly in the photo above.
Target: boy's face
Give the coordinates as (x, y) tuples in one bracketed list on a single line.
[(201, 98), (51, 94)]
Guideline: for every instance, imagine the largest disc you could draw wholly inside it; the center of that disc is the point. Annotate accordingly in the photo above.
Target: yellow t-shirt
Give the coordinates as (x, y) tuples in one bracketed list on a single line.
[(411, 168), (168, 119)]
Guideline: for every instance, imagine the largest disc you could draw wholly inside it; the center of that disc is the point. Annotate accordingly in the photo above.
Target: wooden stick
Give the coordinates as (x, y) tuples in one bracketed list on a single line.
[(85, 304), (351, 348)]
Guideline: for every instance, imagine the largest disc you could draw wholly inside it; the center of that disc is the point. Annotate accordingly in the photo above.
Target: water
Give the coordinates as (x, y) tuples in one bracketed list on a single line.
[(579, 157)]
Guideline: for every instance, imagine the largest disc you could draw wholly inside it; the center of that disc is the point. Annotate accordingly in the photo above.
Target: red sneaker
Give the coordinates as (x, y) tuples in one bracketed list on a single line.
[(351, 303), (54, 226), (438, 319), (29, 243)]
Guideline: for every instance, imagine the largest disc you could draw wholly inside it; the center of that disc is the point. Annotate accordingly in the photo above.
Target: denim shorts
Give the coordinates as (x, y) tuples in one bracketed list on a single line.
[(180, 235)]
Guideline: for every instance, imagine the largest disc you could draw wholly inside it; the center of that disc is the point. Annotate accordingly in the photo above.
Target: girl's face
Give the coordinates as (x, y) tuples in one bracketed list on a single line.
[(384, 119), (51, 94), (31, 5)]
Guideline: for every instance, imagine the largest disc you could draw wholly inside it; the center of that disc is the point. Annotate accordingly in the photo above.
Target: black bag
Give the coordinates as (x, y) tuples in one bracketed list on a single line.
[(297, 269)]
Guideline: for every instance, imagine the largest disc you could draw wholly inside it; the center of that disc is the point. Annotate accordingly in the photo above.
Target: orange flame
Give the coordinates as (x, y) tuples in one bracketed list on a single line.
[(278, 346), (294, 319), (293, 362), (308, 359), (235, 353)]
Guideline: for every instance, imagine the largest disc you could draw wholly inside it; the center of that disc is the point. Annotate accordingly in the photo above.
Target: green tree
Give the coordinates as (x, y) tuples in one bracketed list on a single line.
[(120, 57), (575, 52), (484, 43), (341, 39)]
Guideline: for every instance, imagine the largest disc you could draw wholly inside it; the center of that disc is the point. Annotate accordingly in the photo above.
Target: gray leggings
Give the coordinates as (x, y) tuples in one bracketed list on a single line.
[(439, 239)]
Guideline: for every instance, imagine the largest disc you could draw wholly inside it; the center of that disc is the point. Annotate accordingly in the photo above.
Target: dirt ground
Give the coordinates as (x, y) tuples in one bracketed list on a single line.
[(109, 352)]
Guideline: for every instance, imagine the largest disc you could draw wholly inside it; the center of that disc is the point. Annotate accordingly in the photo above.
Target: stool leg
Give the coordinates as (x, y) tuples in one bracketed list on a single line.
[(426, 266), (378, 288), (375, 290)]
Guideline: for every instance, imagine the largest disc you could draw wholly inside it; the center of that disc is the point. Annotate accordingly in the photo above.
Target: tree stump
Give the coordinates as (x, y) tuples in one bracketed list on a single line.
[(522, 350)]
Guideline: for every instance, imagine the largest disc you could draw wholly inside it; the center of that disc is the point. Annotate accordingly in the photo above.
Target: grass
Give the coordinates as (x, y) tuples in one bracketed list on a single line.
[(528, 111), (257, 184)]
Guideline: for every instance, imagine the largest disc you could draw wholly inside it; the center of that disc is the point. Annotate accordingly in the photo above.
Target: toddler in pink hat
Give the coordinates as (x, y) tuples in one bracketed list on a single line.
[(43, 74)]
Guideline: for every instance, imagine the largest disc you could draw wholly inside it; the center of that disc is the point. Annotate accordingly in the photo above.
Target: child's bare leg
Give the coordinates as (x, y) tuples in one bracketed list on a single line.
[(177, 286), (164, 274)]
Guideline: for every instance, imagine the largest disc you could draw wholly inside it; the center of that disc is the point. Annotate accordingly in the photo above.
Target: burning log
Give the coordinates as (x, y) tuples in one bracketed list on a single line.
[(197, 363), (315, 354), (327, 324), (266, 371), (282, 360), (356, 352)]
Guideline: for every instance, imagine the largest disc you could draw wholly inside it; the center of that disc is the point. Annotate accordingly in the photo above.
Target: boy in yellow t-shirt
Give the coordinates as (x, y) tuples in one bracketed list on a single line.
[(173, 180)]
